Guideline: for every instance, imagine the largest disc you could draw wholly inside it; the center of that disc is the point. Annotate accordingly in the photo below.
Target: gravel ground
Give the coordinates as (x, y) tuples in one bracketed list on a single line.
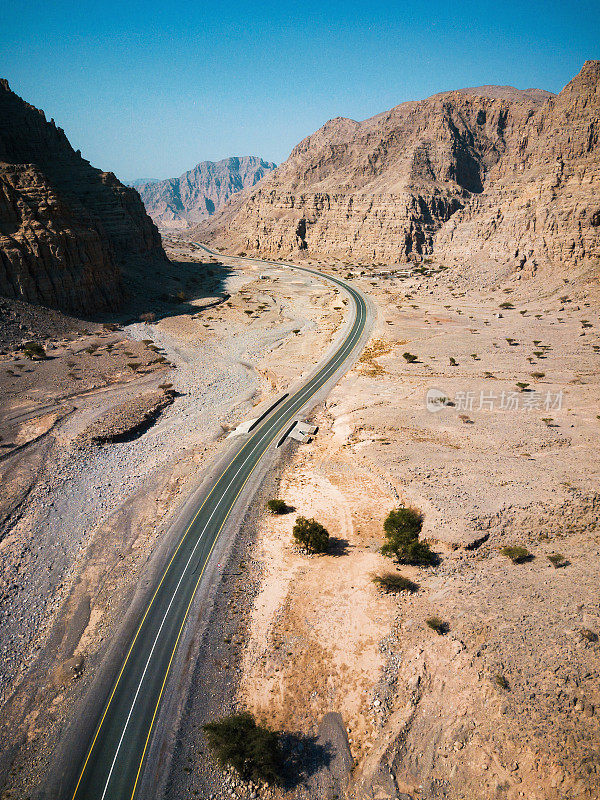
[(79, 490)]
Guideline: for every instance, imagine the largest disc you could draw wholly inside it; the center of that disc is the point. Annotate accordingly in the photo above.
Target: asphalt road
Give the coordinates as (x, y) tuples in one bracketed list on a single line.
[(115, 756)]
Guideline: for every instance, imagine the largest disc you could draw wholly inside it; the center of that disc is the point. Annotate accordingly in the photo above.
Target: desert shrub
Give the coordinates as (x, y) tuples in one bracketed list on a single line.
[(34, 351), (589, 635), (147, 316), (557, 560), (402, 528), (501, 681), (537, 375), (453, 362), (516, 554), (391, 582), (438, 625), (277, 506), (410, 357), (506, 305), (252, 750), (522, 386), (165, 386), (133, 366), (311, 535)]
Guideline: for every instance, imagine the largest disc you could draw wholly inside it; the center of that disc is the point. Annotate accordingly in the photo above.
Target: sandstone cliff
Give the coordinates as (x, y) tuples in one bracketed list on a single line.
[(197, 194), (68, 232), (377, 190), (541, 204), (506, 174)]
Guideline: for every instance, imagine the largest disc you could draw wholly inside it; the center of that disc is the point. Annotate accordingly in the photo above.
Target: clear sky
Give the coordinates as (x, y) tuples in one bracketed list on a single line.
[(148, 89)]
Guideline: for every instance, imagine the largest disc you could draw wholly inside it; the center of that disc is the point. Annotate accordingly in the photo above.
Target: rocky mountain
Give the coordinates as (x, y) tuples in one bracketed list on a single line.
[(473, 169), (541, 204), (69, 233), (197, 194)]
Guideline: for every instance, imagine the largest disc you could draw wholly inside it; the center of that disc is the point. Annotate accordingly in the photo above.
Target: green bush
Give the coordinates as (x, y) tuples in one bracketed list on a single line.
[(311, 535), (252, 750), (501, 681), (277, 506), (402, 528), (34, 350), (516, 554), (557, 560), (392, 583), (438, 625)]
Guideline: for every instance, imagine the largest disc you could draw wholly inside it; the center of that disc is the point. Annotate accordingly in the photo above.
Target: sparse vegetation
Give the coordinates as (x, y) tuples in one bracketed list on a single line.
[(402, 528), (516, 553), (313, 536), (501, 681), (392, 583), (438, 625), (537, 375), (557, 560), (251, 749), (147, 316), (506, 305), (410, 357), (453, 362), (277, 506), (34, 351), (522, 386)]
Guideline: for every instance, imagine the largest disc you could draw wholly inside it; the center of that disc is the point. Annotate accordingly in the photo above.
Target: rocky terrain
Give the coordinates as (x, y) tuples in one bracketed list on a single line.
[(505, 703), (69, 233), (489, 173), (178, 203), (101, 444)]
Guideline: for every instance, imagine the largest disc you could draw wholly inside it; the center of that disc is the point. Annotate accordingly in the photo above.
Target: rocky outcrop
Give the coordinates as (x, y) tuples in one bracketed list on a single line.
[(541, 206), (182, 202), (493, 173), (378, 190), (68, 232)]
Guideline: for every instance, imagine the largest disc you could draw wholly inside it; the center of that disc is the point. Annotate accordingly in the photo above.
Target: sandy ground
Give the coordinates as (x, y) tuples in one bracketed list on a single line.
[(93, 516), (506, 703)]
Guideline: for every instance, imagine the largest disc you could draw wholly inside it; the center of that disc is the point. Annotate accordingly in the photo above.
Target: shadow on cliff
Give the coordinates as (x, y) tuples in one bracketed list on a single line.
[(162, 289)]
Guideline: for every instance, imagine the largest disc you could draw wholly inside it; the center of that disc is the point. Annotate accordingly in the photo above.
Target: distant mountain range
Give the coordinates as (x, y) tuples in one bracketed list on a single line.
[(178, 203)]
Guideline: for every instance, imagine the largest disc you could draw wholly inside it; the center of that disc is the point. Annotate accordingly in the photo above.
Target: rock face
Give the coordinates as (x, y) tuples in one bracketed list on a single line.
[(541, 205), (68, 232), (185, 201), (510, 174)]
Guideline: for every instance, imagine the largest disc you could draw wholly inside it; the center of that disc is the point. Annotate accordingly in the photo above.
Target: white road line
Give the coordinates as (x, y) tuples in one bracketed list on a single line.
[(298, 398)]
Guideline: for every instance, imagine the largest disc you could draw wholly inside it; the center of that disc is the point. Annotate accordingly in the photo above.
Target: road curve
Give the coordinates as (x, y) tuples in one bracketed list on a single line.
[(115, 756)]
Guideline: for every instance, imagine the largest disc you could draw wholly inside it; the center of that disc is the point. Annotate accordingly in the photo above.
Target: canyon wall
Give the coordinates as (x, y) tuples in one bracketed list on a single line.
[(68, 232), (508, 175)]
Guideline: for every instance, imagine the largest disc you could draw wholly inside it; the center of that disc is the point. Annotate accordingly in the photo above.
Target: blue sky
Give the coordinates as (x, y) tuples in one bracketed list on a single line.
[(148, 89)]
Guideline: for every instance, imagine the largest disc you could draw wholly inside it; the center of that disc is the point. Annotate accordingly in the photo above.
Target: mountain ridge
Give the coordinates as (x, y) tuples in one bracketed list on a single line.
[(178, 203), (381, 190), (68, 231)]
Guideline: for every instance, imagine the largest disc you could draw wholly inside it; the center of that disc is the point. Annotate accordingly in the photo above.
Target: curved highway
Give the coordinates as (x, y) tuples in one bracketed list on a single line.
[(115, 756)]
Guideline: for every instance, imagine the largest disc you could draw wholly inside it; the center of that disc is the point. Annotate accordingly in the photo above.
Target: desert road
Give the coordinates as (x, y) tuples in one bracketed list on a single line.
[(115, 756)]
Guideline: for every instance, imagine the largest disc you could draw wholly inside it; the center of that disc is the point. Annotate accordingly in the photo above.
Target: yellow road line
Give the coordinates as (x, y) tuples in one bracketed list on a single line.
[(196, 586)]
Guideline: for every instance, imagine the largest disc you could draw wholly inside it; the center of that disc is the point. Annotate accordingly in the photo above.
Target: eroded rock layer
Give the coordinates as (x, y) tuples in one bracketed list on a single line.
[(511, 175), (68, 232), (541, 204)]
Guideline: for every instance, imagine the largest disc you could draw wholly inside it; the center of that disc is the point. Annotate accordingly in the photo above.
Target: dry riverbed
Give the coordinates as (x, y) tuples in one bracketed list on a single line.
[(97, 464)]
